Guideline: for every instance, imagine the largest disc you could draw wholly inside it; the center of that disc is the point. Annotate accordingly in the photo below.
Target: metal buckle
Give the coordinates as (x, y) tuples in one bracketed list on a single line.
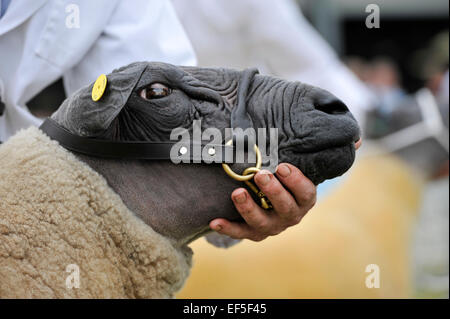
[(248, 174)]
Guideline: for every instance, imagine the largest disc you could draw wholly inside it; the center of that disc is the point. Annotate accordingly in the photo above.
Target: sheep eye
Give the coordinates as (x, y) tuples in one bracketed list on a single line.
[(155, 91)]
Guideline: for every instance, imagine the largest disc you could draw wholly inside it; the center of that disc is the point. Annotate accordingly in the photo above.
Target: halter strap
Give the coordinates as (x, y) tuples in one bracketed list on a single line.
[(130, 149)]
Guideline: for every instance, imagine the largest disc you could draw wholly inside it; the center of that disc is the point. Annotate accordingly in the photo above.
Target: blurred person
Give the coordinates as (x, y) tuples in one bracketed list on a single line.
[(383, 78), (416, 126), (431, 63), (43, 40)]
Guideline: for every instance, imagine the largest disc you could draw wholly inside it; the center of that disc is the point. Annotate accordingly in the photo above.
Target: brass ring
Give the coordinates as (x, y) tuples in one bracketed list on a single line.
[(239, 177), (250, 170)]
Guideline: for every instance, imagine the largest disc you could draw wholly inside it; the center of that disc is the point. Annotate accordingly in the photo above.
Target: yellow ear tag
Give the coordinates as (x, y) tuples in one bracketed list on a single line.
[(99, 87)]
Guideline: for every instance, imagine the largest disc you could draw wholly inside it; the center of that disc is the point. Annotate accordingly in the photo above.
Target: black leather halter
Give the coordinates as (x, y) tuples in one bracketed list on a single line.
[(124, 150), (154, 150)]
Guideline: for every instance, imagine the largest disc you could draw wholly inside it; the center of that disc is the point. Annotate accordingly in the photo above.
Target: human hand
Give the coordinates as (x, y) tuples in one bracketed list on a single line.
[(288, 207)]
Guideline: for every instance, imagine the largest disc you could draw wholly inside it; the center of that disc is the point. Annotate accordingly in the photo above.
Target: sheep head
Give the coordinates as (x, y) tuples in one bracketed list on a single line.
[(145, 101)]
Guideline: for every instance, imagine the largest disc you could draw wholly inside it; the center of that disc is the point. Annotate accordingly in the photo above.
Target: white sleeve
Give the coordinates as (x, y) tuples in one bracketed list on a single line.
[(141, 30)]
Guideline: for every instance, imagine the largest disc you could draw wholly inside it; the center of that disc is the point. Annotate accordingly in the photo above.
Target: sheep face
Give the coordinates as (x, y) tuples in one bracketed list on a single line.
[(145, 101)]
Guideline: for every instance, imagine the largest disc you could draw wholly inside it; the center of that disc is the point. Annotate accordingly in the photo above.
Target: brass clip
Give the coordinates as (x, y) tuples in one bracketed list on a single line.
[(248, 174)]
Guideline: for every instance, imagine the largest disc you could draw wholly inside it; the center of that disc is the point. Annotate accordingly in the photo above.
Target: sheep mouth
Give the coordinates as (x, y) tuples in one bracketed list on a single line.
[(322, 164)]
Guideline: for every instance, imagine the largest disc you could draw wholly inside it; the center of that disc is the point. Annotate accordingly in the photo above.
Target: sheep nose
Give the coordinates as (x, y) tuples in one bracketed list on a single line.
[(328, 103)]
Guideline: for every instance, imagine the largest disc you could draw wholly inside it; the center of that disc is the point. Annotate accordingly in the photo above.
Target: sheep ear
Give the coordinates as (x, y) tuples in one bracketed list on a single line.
[(222, 241), (83, 116)]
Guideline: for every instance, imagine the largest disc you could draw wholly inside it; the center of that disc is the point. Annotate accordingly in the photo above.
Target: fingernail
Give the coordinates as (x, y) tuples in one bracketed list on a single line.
[(240, 198), (263, 177), (284, 170), (358, 144)]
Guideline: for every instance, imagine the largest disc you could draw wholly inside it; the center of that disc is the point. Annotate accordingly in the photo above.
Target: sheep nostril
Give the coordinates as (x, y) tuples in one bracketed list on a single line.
[(330, 105)]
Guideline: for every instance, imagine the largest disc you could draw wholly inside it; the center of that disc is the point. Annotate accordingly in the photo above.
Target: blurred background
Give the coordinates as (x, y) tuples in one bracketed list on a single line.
[(388, 61), (390, 66)]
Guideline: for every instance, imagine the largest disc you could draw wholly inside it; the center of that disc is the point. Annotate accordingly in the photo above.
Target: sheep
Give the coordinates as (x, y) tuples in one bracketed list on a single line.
[(124, 224)]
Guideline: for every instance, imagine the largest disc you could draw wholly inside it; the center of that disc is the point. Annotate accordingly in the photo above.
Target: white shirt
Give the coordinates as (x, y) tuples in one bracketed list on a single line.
[(39, 44)]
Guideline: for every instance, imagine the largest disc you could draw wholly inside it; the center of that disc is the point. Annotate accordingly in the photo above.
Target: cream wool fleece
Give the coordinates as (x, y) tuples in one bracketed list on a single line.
[(56, 211)]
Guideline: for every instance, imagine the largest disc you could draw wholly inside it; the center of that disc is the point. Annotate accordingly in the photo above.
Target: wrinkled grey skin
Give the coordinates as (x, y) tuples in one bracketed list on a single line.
[(316, 133)]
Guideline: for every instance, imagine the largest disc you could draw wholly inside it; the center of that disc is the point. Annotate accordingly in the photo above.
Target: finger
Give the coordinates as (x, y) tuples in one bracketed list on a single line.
[(283, 202), (301, 187), (233, 229), (254, 215), (358, 144)]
